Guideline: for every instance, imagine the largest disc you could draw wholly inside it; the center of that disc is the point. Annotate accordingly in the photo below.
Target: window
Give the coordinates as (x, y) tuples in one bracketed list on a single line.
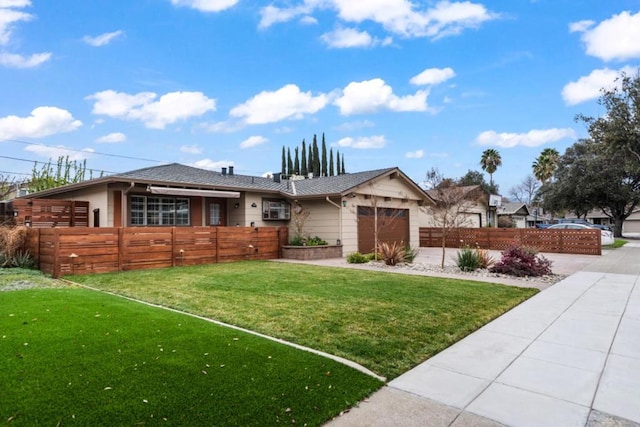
[(215, 214), (274, 210), (146, 210)]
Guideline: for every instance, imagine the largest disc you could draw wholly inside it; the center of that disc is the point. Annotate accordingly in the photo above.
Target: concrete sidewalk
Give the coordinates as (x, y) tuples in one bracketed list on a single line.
[(569, 356)]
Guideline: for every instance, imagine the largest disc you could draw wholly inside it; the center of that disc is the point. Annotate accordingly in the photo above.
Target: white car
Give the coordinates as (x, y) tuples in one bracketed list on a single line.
[(606, 236)]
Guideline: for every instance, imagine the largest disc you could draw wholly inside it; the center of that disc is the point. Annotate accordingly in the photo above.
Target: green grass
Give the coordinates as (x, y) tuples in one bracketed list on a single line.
[(74, 356), (617, 243), (386, 322)]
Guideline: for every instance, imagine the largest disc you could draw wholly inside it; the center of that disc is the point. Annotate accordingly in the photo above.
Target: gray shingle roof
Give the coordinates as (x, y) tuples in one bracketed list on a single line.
[(512, 208)]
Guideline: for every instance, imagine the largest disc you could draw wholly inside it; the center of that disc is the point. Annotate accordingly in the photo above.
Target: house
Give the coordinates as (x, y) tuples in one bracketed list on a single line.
[(537, 215), (631, 225), (514, 213), (350, 209), (470, 203)]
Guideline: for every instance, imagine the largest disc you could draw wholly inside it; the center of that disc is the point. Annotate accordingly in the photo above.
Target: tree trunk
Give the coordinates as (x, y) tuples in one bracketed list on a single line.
[(444, 240), (617, 226)]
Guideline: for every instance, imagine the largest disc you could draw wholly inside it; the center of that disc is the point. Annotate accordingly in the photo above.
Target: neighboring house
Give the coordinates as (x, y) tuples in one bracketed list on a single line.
[(632, 223), (516, 212), (350, 208), (537, 215), (474, 210)]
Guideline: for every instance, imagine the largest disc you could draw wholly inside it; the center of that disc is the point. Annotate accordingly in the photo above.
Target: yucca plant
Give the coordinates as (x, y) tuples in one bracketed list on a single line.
[(467, 259), (484, 259), (391, 253)]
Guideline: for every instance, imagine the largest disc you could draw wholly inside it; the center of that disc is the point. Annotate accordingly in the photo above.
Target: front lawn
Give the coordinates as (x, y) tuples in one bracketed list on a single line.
[(80, 357), (384, 321)]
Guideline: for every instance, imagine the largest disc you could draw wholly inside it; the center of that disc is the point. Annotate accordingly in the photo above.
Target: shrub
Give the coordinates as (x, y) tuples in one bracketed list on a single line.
[(296, 241), (309, 241), (484, 259), (521, 261), (316, 241), (391, 253), (23, 259), (467, 259), (12, 240), (410, 253), (357, 258)]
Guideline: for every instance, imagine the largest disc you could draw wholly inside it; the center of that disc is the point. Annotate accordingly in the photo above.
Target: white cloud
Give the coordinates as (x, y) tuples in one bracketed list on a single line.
[(212, 164), (253, 141), (372, 95), (588, 87), (433, 76), (365, 142), (341, 38), (580, 26), (102, 39), (9, 16), (59, 151), (616, 38), (308, 20), (285, 103), (191, 149), (112, 138), (399, 17), (418, 154), (169, 108), (533, 138), (43, 121), (206, 5), (351, 126), (14, 60)]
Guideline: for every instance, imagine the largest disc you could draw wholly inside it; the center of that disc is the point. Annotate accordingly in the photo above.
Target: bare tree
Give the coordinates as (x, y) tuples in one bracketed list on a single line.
[(452, 205), (526, 191)]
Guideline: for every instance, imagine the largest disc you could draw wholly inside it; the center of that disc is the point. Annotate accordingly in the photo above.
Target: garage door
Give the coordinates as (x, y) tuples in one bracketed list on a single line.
[(631, 226), (393, 226)]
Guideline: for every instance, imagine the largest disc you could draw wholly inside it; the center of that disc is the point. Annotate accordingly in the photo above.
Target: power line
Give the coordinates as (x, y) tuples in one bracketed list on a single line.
[(83, 151)]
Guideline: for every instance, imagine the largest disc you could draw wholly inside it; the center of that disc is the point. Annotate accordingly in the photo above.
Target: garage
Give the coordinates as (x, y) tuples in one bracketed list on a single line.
[(392, 226)]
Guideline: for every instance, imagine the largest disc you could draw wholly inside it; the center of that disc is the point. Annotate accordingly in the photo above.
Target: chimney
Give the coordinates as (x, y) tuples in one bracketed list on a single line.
[(230, 170), (276, 177), (224, 171)]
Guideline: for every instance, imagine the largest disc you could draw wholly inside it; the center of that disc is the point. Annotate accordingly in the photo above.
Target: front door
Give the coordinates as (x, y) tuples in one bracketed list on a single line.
[(216, 213)]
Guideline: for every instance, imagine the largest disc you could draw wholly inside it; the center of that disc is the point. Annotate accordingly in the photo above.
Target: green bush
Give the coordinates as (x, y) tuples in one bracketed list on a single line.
[(468, 259), (410, 253), (357, 258), (316, 241)]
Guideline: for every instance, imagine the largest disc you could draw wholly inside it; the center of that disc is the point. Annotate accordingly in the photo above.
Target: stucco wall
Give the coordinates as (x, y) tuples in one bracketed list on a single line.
[(323, 220)]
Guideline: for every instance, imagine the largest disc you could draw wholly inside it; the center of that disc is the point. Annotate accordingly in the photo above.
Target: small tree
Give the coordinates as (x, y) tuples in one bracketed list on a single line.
[(452, 205), (299, 217), (65, 172)]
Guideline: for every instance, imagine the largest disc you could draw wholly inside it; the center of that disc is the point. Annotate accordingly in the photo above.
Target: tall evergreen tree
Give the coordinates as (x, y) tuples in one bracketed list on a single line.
[(310, 160), (331, 171), (289, 162), (284, 163), (316, 157), (324, 157), (296, 162), (337, 162), (343, 171), (303, 159)]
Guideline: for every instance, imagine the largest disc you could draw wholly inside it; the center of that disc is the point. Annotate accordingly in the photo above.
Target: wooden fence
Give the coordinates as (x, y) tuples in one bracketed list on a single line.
[(587, 242), (46, 213), (80, 250)]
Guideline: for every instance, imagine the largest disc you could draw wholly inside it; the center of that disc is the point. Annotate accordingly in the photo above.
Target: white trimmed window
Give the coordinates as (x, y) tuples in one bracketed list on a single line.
[(148, 210)]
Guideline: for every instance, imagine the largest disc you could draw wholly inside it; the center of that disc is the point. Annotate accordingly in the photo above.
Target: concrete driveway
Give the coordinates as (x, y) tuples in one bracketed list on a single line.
[(569, 356)]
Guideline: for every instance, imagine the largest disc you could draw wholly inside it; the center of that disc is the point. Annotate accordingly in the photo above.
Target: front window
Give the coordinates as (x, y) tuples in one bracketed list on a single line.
[(274, 210), (147, 210)]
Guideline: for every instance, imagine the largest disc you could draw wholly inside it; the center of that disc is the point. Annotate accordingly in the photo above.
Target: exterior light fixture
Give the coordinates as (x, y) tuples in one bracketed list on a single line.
[(344, 203)]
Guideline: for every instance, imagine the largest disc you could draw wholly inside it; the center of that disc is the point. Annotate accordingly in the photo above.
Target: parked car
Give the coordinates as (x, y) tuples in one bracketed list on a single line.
[(543, 225), (606, 235), (583, 222)]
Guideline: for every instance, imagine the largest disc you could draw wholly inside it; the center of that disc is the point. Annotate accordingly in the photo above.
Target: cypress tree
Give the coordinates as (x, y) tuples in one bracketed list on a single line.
[(284, 163), (330, 161), (310, 161), (338, 162), (296, 163), (343, 171), (303, 158), (289, 162), (316, 157), (324, 157)]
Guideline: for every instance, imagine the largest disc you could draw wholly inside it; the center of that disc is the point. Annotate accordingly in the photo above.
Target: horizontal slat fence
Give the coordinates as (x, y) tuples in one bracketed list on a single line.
[(586, 242), (81, 250), (45, 213)]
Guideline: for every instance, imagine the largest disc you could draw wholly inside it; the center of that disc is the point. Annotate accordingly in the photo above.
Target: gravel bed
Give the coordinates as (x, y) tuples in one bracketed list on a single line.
[(19, 285), (454, 270)]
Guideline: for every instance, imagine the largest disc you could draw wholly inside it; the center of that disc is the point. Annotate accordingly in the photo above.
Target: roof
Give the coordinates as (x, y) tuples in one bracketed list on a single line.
[(178, 175), (514, 208)]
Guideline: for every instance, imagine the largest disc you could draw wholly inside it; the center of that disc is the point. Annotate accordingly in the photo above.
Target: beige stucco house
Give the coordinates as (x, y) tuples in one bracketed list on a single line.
[(350, 209)]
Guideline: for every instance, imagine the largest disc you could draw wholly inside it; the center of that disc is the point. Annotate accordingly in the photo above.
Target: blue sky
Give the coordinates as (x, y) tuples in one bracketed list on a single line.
[(213, 83)]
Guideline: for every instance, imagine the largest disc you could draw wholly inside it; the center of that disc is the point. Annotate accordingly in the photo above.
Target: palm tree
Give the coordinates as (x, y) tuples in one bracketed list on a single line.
[(545, 165), (490, 161)]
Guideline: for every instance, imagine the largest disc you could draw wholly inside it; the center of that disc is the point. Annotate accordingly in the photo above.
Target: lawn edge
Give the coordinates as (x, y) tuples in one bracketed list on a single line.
[(333, 357)]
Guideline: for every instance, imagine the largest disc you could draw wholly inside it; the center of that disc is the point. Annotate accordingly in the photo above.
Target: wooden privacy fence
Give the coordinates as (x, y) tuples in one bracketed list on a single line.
[(45, 213), (63, 251), (585, 242)]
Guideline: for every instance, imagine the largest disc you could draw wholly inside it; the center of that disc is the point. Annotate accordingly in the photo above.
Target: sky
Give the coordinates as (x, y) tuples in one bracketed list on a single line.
[(214, 83)]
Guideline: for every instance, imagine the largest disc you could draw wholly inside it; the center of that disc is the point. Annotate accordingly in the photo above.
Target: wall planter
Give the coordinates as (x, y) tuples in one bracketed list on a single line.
[(305, 253)]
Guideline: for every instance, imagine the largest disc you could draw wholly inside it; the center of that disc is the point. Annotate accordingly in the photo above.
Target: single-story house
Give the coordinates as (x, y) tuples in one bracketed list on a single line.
[(470, 203), (349, 209), (630, 225), (515, 212)]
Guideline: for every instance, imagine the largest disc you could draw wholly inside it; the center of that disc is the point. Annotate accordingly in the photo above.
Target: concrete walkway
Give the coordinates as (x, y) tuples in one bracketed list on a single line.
[(569, 356)]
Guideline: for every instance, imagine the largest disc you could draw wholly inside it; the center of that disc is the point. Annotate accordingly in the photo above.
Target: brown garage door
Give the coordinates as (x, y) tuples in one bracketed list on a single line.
[(393, 226)]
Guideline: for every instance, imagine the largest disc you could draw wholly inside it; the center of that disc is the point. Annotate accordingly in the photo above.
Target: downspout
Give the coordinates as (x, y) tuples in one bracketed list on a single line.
[(339, 218)]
